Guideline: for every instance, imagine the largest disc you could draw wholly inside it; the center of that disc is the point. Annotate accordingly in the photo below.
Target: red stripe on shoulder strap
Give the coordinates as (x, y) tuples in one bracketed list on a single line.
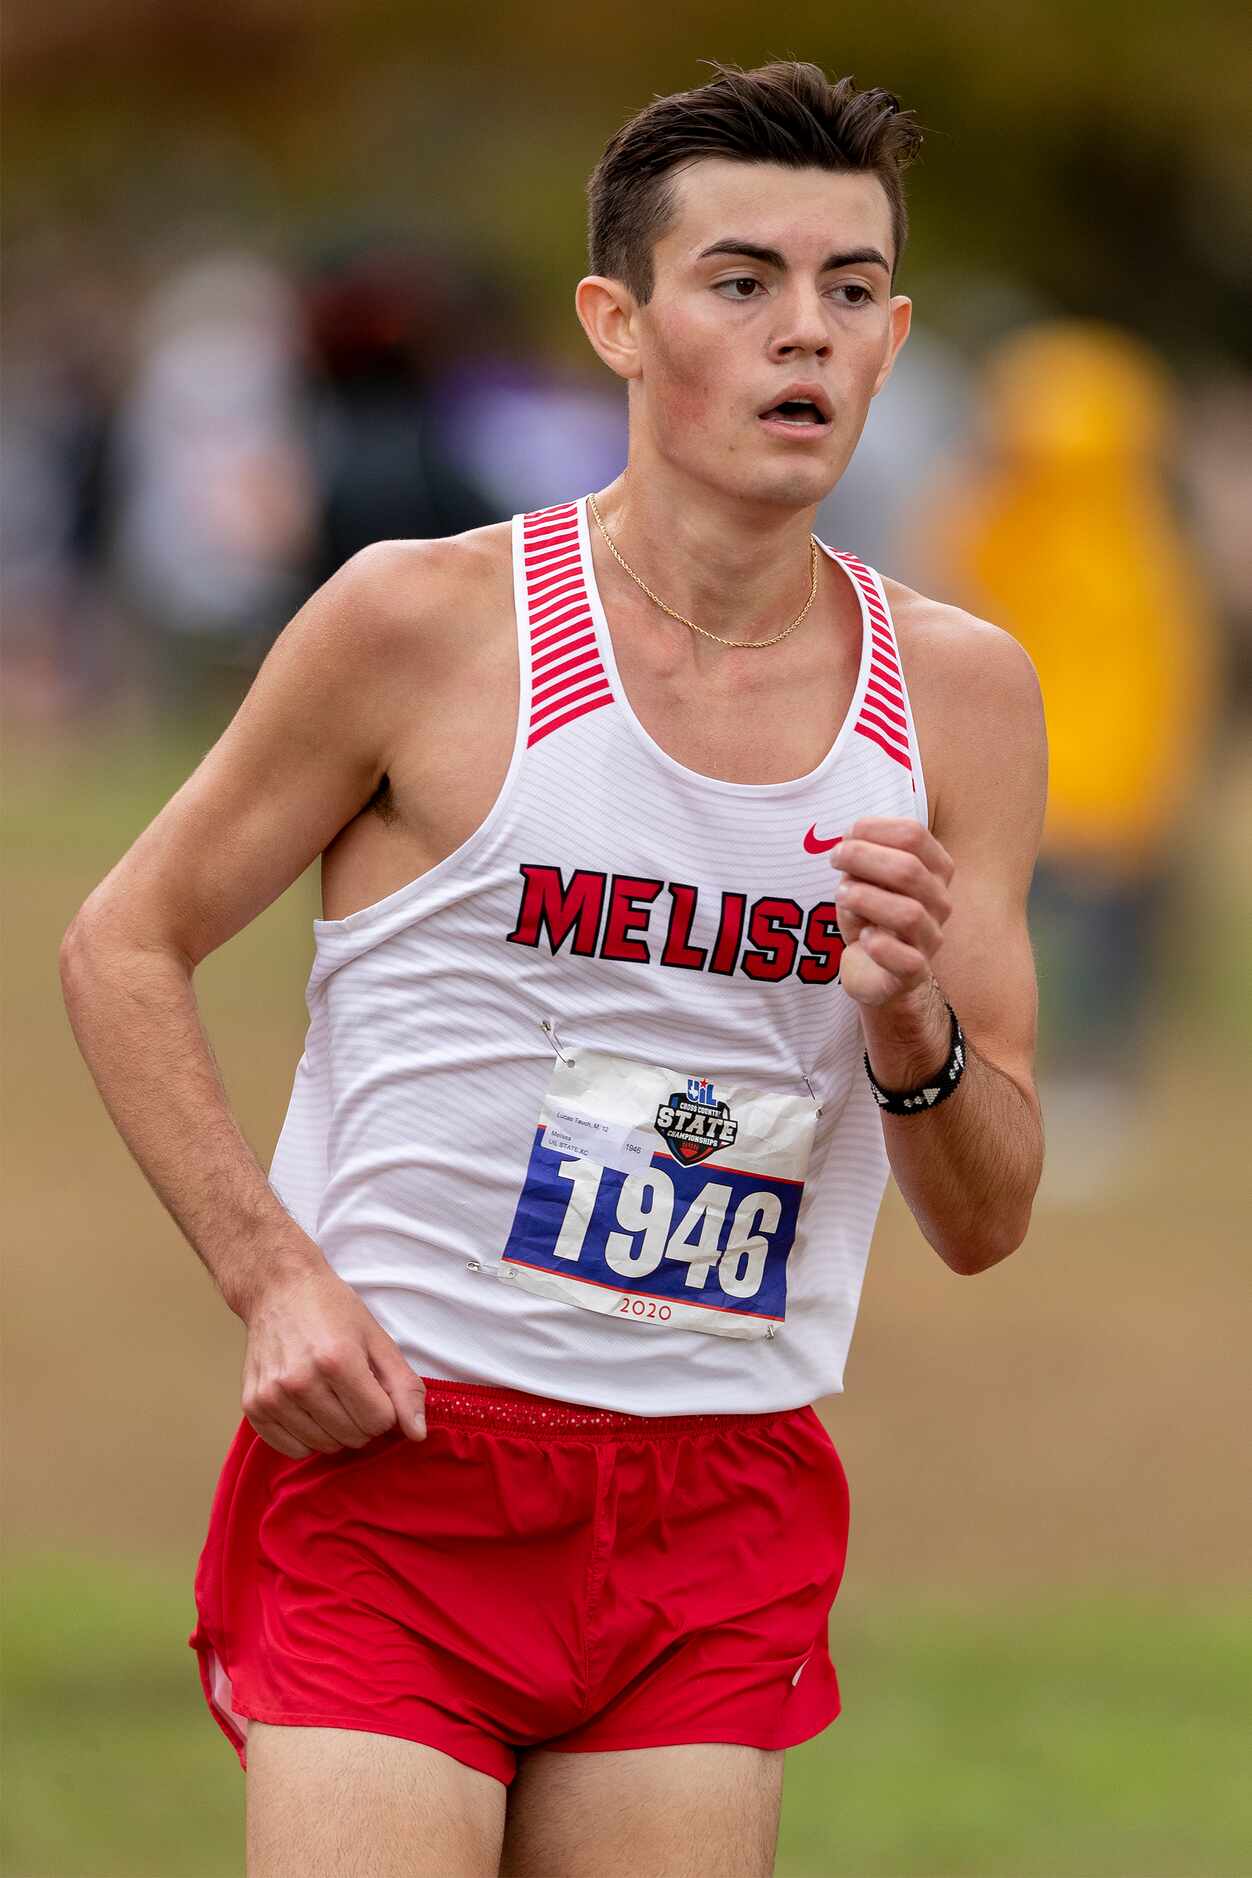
[(900, 756), (887, 727), (567, 674)]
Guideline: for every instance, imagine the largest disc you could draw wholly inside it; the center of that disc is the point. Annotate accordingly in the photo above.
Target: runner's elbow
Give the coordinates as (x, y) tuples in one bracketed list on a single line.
[(978, 1248)]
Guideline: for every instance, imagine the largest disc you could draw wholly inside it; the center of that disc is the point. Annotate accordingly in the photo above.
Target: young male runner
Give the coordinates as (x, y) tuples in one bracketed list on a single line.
[(641, 821)]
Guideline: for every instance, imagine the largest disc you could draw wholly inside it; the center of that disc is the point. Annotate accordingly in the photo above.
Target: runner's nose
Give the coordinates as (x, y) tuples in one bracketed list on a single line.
[(802, 328)]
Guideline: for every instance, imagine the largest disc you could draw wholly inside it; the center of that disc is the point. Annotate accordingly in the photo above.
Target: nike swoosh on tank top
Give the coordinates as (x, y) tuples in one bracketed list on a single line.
[(581, 1110)]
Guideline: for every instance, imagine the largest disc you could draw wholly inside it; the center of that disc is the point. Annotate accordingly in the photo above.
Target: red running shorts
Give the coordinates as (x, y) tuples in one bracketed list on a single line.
[(533, 1574)]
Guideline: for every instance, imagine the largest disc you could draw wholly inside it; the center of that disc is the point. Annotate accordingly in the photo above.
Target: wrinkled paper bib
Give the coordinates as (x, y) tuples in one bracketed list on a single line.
[(661, 1196)]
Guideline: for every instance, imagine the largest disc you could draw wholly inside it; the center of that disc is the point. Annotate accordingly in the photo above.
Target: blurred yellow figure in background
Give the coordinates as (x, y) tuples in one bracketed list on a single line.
[(1064, 534)]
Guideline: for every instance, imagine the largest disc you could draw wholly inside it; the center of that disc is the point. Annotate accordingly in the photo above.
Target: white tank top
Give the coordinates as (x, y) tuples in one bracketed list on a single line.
[(581, 1110)]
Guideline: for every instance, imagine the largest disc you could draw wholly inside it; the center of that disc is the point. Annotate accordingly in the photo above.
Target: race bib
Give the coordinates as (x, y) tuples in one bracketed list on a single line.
[(662, 1197)]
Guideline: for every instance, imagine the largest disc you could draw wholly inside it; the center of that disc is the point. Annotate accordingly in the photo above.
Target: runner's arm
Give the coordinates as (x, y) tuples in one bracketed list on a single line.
[(944, 915), (304, 753)]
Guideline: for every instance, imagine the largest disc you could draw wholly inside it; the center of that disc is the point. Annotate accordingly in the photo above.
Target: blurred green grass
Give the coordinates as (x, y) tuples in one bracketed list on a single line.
[(1090, 1738)]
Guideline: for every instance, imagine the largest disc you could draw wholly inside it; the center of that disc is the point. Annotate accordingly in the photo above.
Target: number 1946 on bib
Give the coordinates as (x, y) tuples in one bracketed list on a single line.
[(698, 1248)]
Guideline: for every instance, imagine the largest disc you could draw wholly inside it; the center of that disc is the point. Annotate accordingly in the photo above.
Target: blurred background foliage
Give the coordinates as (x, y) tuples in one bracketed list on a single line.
[(1095, 152)]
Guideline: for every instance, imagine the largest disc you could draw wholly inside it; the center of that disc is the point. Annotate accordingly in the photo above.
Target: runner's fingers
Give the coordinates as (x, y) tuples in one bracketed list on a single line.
[(307, 1413), (867, 982), (850, 927), (404, 1389), (367, 1409), (903, 961), (898, 870), (908, 919), (302, 1424), (355, 1391), (893, 831), (320, 1401), (366, 1398), (276, 1437), (282, 1424)]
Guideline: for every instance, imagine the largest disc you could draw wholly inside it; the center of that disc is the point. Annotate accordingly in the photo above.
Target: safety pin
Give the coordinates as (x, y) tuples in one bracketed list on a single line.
[(812, 1091), (545, 1023)]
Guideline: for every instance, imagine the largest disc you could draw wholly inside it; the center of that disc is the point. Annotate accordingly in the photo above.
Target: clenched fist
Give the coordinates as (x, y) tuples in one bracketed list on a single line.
[(892, 904), (320, 1373)]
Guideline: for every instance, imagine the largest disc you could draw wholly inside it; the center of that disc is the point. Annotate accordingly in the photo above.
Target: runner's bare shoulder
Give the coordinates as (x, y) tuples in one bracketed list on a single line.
[(975, 696), (366, 662)]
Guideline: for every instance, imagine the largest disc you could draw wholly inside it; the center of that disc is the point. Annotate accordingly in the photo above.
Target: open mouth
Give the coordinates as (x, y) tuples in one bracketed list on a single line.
[(800, 412)]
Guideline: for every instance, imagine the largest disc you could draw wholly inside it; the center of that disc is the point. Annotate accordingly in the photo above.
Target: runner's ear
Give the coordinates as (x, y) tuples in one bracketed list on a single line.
[(606, 309)]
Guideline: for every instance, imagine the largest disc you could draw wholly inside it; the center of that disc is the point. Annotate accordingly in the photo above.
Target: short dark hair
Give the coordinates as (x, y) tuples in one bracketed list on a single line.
[(788, 112)]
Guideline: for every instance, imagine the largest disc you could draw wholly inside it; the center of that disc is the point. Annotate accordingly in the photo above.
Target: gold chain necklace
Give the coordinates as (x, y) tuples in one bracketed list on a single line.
[(742, 645)]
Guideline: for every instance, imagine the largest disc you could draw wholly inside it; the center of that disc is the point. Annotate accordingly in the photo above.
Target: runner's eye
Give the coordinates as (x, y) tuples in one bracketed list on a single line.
[(740, 282), (860, 294)]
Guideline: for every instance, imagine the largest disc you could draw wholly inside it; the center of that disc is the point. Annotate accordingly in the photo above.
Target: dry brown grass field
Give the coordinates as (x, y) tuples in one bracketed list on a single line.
[(1068, 1418)]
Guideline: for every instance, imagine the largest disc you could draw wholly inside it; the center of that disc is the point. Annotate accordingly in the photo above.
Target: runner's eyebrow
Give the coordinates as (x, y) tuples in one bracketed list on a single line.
[(771, 257)]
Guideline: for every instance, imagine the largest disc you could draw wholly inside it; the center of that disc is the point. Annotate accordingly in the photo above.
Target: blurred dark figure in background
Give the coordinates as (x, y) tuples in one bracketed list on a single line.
[(379, 336), (62, 368), (210, 486), (1064, 532), (525, 428)]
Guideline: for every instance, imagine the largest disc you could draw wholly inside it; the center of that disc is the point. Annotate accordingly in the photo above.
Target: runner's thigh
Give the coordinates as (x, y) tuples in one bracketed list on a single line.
[(340, 1803), (707, 1810)]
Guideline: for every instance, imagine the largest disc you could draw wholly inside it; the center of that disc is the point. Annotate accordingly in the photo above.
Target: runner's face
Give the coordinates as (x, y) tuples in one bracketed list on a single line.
[(798, 293)]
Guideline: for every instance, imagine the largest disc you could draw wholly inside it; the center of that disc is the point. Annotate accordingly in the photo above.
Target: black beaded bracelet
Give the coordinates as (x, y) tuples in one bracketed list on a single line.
[(935, 1089)]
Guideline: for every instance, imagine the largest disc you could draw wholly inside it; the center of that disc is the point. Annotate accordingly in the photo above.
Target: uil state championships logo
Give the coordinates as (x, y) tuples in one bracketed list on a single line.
[(695, 1125)]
